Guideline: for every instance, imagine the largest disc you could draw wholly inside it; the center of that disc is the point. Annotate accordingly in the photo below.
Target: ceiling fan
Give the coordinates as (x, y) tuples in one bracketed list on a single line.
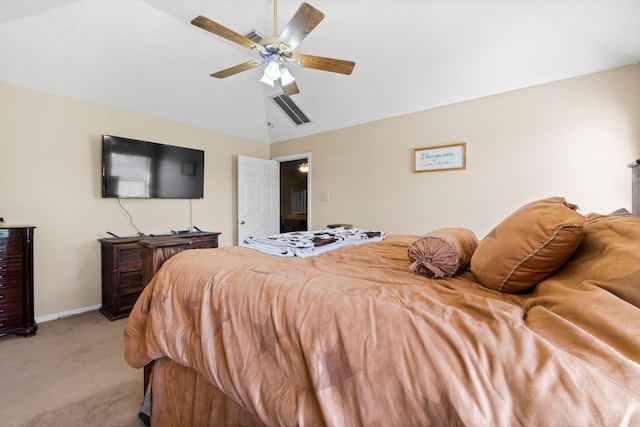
[(277, 51)]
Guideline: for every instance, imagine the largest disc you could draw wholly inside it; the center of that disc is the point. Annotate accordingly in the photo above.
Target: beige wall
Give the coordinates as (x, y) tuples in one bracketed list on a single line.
[(50, 177), (571, 138)]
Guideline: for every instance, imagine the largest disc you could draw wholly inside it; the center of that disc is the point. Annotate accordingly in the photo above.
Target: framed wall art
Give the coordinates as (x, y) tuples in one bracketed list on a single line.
[(440, 158)]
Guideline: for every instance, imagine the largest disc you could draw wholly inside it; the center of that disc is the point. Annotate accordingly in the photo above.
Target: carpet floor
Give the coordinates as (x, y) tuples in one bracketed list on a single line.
[(71, 373)]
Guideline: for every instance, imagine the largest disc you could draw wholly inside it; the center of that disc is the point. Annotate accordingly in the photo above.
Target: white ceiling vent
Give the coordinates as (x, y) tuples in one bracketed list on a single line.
[(255, 36), (291, 109)]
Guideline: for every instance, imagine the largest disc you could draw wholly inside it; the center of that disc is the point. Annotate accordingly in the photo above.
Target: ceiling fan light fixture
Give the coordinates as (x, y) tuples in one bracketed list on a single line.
[(272, 70), (286, 78), (266, 80)]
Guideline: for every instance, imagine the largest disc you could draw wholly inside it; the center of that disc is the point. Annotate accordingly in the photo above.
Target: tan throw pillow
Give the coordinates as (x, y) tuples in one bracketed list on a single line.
[(528, 246), (442, 253)]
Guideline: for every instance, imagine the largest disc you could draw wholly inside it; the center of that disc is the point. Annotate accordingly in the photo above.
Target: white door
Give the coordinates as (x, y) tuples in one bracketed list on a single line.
[(258, 197)]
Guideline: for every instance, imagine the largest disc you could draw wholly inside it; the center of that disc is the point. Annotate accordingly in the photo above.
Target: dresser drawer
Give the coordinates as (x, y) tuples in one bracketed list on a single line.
[(11, 322), (12, 308), (202, 245), (10, 294), (11, 279), (129, 259), (127, 301), (129, 279), (10, 246), (10, 263)]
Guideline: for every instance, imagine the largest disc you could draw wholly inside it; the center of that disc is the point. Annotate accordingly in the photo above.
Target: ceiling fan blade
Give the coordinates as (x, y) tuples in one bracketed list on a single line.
[(237, 69), (325, 64), (224, 32), (290, 89), (305, 19)]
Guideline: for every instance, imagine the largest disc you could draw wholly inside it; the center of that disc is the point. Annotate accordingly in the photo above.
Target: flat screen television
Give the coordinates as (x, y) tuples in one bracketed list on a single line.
[(148, 170)]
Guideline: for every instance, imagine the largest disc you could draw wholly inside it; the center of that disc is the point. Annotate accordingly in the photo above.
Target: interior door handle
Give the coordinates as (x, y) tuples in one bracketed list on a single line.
[(242, 222)]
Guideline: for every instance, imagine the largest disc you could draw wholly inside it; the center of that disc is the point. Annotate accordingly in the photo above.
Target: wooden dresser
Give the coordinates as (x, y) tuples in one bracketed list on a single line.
[(16, 281), (123, 277)]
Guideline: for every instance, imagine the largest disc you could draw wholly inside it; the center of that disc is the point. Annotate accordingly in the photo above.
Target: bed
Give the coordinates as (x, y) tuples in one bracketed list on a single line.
[(538, 323)]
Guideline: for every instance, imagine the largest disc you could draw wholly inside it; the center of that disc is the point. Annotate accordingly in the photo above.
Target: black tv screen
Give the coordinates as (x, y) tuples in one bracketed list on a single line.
[(148, 170)]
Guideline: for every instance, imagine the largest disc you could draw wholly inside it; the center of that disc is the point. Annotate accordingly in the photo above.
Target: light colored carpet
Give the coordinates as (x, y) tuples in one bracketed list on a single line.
[(71, 373)]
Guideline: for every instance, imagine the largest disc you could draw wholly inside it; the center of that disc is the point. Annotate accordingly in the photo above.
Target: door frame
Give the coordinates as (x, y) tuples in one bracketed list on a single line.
[(301, 156)]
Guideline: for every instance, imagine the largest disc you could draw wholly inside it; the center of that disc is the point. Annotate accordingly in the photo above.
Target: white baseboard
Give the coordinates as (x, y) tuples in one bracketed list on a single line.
[(55, 316)]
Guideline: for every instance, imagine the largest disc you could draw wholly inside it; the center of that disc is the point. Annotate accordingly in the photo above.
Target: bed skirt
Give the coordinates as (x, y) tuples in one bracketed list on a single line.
[(182, 397)]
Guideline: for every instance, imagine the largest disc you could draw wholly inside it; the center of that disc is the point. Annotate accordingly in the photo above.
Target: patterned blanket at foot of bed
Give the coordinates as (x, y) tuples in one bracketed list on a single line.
[(309, 243)]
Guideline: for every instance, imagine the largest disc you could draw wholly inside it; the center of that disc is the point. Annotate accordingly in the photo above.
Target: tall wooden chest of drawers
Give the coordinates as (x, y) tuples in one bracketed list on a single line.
[(122, 272), (16, 281)]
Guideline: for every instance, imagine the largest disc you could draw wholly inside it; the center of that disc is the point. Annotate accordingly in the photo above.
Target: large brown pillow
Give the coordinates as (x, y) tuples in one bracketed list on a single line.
[(528, 246), (443, 252)]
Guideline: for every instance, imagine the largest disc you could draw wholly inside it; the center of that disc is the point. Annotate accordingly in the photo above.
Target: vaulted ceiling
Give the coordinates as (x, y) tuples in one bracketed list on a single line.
[(144, 56)]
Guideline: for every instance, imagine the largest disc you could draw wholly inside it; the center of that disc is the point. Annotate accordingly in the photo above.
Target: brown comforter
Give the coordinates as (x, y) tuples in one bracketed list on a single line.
[(352, 337)]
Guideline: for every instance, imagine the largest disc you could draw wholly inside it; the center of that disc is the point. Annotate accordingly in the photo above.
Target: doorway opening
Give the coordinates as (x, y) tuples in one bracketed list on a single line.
[(294, 193)]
